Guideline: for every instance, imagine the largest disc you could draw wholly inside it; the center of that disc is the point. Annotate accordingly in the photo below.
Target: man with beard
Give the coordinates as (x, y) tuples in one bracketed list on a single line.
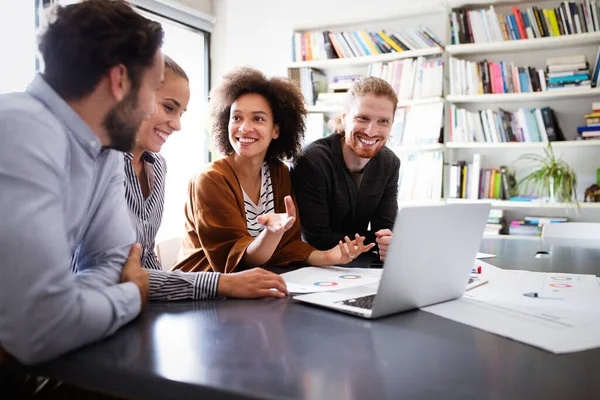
[(62, 186), (349, 180)]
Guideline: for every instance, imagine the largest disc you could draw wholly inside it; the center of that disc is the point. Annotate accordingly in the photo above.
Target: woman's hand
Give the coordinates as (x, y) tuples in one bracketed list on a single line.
[(346, 251), (282, 222)]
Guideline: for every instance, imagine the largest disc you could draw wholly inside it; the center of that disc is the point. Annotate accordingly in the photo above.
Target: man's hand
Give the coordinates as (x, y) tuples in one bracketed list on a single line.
[(384, 237), (348, 250), (133, 272), (252, 284), (279, 223)]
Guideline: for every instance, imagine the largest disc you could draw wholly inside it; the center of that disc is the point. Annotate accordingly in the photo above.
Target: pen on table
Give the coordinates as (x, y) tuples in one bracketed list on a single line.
[(535, 295), (480, 283)]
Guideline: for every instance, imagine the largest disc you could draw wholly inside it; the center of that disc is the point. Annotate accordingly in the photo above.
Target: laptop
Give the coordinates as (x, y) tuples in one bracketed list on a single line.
[(429, 261)]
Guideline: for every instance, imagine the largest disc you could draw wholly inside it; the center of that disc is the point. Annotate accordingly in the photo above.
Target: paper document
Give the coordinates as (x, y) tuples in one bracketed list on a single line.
[(323, 279), (555, 311), (484, 255)]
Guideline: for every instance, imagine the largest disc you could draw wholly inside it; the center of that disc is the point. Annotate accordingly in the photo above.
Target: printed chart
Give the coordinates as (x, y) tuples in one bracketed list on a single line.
[(323, 279)]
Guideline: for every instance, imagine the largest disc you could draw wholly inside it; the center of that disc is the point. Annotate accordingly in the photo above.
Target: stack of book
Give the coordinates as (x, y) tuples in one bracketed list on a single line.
[(591, 130), (568, 72), (473, 78), (532, 226), (489, 126), (412, 78), (323, 45), (495, 224), (481, 26)]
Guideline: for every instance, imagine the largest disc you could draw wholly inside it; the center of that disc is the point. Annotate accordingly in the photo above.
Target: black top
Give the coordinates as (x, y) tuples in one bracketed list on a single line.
[(330, 204)]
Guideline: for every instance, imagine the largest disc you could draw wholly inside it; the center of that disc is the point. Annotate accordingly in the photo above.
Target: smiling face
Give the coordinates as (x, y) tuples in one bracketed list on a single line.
[(251, 126), (368, 124), (171, 102)]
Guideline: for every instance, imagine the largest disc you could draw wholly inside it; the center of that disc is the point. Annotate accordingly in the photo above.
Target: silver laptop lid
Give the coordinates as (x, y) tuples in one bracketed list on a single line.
[(430, 256)]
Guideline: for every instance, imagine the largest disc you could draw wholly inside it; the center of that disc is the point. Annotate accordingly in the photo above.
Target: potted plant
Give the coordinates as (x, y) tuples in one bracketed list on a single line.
[(550, 177)]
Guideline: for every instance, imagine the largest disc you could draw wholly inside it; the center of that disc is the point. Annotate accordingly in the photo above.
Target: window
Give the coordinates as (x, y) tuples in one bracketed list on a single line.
[(17, 28), (186, 151)]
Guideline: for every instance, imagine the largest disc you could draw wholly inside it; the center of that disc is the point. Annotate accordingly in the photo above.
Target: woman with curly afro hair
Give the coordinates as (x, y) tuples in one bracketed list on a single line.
[(241, 211)]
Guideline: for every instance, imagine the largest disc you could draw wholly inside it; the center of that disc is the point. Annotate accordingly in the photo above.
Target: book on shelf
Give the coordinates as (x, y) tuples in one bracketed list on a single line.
[(484, 26), (468, 180), (501, 126), (568, 72), (412, 78), (416, 125), (591, 130), (421, 176), (486, 77), (496, 224), (532, 225), (325, 45)]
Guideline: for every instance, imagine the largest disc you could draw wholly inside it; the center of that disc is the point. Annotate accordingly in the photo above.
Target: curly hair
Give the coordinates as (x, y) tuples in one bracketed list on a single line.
[(84, 40), (284, 98), (362, 87)]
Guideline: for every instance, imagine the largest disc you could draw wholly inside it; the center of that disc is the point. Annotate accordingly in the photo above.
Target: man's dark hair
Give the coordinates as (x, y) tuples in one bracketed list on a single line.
[(284, 97), (84, 40)]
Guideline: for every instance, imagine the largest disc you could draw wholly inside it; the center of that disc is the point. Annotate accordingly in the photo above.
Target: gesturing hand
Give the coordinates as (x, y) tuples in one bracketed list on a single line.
[(280, 223), (251, 284), (133, 272), (346, 251)]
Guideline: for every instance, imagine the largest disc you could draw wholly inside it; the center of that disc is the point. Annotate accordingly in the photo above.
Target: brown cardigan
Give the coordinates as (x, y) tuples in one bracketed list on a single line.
[(216, 235)]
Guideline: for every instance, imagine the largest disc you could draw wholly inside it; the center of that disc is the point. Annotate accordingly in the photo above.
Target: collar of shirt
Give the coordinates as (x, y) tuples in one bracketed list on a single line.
[(147, 156), (41, 90)]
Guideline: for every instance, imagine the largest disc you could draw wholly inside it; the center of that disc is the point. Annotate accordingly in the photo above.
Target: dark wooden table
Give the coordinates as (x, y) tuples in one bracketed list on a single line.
[(278, 349)]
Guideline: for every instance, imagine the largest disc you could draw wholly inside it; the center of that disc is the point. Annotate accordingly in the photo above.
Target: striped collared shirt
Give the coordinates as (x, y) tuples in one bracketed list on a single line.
[(265, 204), (146, 215)]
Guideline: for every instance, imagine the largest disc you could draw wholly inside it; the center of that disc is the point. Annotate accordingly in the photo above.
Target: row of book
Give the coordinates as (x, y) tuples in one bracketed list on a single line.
[(324, 45), (412, 78), (311, 82), (421, 176), (482, 26), (468, 180), (591, 130), (484, 77), (417, 125), (490, 126)]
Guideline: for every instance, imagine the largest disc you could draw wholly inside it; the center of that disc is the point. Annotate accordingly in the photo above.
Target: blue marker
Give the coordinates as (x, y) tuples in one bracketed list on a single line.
[(536, 296)]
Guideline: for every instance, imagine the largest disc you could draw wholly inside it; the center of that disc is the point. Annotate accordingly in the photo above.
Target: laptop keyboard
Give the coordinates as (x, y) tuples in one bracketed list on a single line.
[(361, 302)]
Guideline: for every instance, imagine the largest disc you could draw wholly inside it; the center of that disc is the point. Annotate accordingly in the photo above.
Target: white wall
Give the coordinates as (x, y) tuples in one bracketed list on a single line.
[(258, 32)]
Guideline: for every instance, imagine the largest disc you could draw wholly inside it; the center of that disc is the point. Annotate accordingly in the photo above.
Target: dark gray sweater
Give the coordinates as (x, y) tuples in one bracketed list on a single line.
[(331, 206)]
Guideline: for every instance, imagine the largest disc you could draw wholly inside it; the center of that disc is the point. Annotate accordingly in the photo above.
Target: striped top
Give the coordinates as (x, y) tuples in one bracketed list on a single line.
[(146, 216), (266, 204)]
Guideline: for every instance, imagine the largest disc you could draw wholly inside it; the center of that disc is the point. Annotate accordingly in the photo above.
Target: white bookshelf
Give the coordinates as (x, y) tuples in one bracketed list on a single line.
[(405, 103), (557, 42), (418, 148), (354, 61), (507, 204), (557, 94), (569, 106), (524, 145)]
